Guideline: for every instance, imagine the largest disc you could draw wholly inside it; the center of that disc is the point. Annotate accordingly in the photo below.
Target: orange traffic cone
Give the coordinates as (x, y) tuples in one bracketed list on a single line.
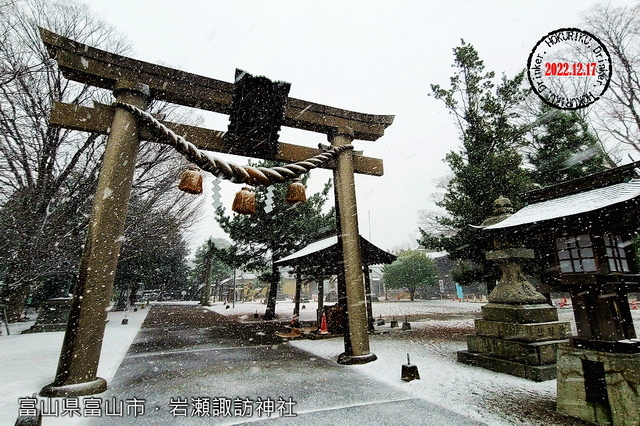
[(294, 321), (324, 329)]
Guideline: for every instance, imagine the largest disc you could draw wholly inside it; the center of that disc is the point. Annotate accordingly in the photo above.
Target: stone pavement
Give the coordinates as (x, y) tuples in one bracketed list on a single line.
[(192, 366)]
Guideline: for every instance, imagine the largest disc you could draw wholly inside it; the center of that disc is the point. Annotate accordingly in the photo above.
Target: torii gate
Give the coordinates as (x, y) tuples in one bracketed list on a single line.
[(135, 83)]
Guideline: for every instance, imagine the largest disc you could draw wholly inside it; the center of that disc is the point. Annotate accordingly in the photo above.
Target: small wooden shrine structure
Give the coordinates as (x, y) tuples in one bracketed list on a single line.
[(583, 232), (323, 257)]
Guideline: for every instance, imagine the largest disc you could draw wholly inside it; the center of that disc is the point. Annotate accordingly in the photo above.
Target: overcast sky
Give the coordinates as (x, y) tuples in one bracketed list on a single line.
[(377, 57)]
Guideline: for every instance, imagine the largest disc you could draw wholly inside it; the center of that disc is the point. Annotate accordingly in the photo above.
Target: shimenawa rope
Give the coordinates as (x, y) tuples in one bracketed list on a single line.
[(228, 170)]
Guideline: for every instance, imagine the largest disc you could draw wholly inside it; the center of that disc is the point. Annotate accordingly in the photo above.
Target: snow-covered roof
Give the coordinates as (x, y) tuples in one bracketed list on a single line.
[(246, 276), (311, 248), (324, 253), (573, 204), (436, 254)]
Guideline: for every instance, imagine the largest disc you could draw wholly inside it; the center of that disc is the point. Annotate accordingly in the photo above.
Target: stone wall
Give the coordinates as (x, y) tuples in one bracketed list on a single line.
[(614, 399)]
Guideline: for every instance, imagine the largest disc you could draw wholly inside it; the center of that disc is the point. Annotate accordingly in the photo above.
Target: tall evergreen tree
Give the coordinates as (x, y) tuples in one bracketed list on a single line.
[(563, 147), (266, 236), (487, 165), (153, 255)]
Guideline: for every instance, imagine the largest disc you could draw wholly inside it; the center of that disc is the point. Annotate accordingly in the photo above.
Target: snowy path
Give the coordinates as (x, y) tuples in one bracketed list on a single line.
[(28, 362)]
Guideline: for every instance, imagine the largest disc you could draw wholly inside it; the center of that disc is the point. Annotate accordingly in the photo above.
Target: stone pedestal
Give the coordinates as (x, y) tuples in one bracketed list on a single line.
[(519, 332), (52, 316), (600, 387), (520, 340)]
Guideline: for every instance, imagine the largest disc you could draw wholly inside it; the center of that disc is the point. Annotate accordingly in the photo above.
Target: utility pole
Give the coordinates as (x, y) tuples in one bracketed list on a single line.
[(234, 287), (205, 298)]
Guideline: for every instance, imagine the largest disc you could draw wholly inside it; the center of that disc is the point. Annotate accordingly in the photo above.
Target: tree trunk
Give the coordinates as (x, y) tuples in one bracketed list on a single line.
[(121, 303), (133, 294), (412, 292), (270, 313)]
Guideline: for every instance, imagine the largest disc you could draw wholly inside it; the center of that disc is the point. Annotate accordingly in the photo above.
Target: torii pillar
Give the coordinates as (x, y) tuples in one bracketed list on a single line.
[(80, 354), (357, 340)]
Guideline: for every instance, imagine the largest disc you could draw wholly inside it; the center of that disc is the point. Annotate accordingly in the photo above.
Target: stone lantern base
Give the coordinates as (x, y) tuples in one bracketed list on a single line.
[(600, 387), (520, 340), (53, 316)]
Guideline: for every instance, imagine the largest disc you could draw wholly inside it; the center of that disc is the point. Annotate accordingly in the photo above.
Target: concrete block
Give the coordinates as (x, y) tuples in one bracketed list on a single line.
[(581, 410), (537, 353), (538, 373)]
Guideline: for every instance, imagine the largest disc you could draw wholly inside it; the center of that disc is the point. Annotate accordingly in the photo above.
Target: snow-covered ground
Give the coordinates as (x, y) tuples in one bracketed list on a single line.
[(438, 330), (399, 309), (28, 361)]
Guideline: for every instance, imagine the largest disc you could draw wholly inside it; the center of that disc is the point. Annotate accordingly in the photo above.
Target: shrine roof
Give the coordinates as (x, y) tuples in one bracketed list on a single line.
[(325, 253), (572, 205)]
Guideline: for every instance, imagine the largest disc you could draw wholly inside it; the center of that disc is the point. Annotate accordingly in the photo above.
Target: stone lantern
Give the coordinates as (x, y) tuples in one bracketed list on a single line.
[(519, 332), (582, 231)]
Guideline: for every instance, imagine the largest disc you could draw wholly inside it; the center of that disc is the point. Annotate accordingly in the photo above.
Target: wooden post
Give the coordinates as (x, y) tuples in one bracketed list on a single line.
[(367, 290), (78, 364), (344, 182), (341, 285), (296, 299), (320, 300)]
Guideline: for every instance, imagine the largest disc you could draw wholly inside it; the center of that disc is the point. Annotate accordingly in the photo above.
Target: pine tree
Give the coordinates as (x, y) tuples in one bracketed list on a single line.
[(209, 266), (563, 147), (487, 165), (260, 238)]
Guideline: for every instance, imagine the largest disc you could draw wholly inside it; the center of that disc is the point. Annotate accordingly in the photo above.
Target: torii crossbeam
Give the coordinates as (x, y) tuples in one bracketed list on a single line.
[(135, 82)]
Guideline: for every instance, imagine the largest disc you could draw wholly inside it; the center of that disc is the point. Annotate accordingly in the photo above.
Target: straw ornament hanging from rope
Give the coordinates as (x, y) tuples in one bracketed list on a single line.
[(296, 192), (191, 180)]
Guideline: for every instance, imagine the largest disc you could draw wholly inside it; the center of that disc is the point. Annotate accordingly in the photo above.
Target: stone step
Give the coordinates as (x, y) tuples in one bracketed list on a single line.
[(538, 373), (522, 314), (536, 353), (531, 332)]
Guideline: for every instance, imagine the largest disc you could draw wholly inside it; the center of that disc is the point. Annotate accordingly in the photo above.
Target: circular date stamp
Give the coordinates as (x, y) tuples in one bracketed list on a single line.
[(569, 68)]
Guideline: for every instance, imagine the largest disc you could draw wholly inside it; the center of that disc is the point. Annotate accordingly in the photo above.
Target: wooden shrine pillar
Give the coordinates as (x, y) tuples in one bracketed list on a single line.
[(296, 299), (320, 300), (367, 289), (78, 364), (344, 183)]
